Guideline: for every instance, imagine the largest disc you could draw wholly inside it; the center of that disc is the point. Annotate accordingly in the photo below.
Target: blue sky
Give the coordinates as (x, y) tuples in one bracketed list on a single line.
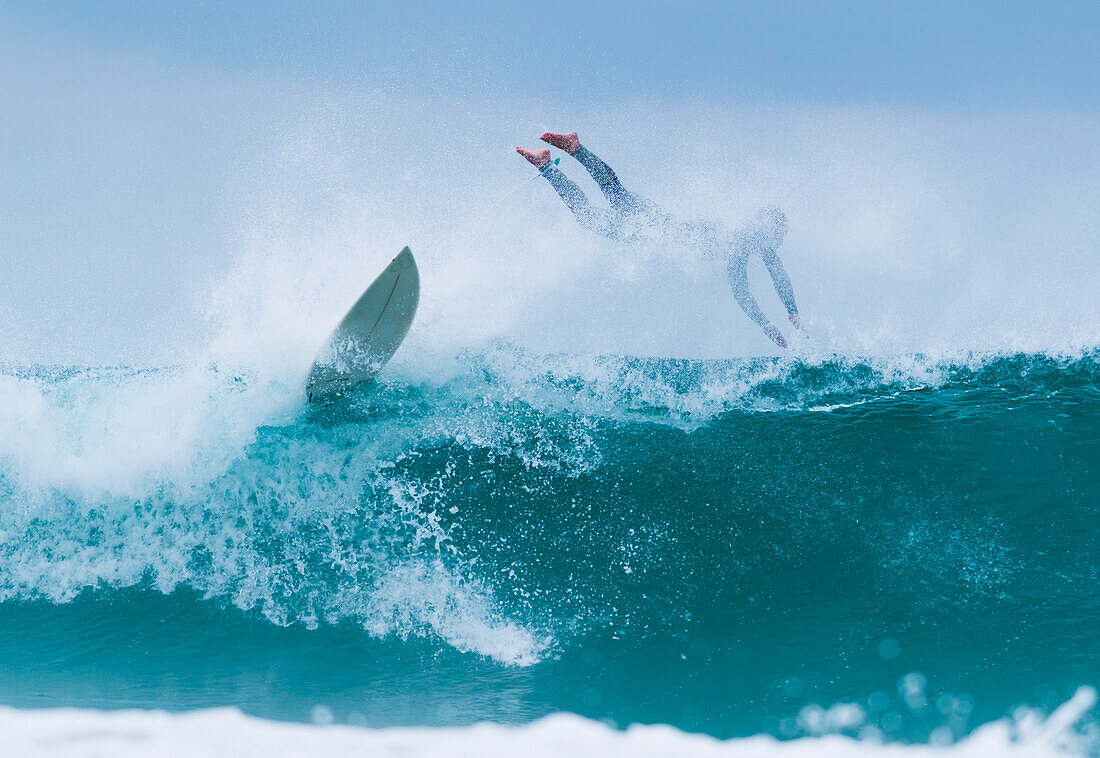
[(961, 53)]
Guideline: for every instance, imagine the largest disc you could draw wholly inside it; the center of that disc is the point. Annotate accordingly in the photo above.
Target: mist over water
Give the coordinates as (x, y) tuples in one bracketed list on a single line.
[(250, 211), (909, 232)]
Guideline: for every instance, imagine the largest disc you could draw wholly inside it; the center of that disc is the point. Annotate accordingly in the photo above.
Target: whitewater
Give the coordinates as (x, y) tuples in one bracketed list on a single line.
[(586, 504)]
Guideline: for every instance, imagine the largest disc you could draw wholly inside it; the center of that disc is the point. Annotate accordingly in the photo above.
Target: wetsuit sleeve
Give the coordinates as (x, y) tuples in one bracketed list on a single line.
[(739, 282), (782, 282)]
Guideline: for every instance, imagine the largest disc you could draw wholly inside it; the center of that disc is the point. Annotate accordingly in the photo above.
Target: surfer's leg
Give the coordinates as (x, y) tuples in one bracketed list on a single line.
[(621, 200), (568, 191)]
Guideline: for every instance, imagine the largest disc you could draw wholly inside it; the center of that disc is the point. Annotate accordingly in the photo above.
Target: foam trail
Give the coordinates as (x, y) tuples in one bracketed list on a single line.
[(70, 733)]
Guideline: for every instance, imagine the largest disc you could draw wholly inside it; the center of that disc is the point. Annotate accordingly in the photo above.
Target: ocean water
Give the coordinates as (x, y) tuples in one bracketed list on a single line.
[(894, 549)]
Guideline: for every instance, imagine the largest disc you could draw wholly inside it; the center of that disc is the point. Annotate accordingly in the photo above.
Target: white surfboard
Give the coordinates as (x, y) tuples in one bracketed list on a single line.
[(370, 334)]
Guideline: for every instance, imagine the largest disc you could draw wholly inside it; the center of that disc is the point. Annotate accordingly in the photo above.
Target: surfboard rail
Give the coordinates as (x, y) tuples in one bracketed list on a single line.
[(367, 337)]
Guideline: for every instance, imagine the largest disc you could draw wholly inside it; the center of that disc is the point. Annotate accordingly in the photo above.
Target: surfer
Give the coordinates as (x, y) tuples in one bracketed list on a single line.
[(633, 219)]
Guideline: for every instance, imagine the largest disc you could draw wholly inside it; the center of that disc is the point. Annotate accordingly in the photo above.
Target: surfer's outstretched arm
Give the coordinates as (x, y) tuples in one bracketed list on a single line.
[(587, 216), (783, 286), (739, 282)]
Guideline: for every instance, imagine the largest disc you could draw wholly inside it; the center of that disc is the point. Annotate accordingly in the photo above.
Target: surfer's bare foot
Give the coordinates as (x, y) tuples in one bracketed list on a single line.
[(795, 320), (567, 142), (775, 334), (537, 158)]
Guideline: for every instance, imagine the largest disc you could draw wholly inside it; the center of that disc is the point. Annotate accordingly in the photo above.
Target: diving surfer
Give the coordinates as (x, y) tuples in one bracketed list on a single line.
[(633, 219)]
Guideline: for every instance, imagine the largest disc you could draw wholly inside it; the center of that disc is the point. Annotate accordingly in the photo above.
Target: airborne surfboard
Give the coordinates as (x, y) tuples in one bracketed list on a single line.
[(370, 333)]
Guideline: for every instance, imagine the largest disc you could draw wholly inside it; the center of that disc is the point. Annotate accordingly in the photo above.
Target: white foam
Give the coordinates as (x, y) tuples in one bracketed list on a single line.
[(457, 611), (121, 477), (73, 733), (122, 433)]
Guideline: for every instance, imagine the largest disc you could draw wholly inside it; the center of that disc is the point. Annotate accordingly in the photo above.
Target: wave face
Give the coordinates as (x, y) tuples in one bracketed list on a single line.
[(718, 545)]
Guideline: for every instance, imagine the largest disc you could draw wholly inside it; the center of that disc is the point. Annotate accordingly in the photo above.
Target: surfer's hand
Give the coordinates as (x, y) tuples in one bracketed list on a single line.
[(775, 335)]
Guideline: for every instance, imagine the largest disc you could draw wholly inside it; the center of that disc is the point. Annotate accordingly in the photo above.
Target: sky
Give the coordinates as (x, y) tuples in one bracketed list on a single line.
[(148, 148), (961, 53)]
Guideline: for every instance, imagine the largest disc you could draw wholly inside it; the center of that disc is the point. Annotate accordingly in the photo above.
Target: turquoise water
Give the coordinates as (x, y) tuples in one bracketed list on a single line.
[(717, 545)]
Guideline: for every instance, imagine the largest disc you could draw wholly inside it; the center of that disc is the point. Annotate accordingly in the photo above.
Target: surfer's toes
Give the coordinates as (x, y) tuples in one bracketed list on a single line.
[(567, 142), (537, 158)]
